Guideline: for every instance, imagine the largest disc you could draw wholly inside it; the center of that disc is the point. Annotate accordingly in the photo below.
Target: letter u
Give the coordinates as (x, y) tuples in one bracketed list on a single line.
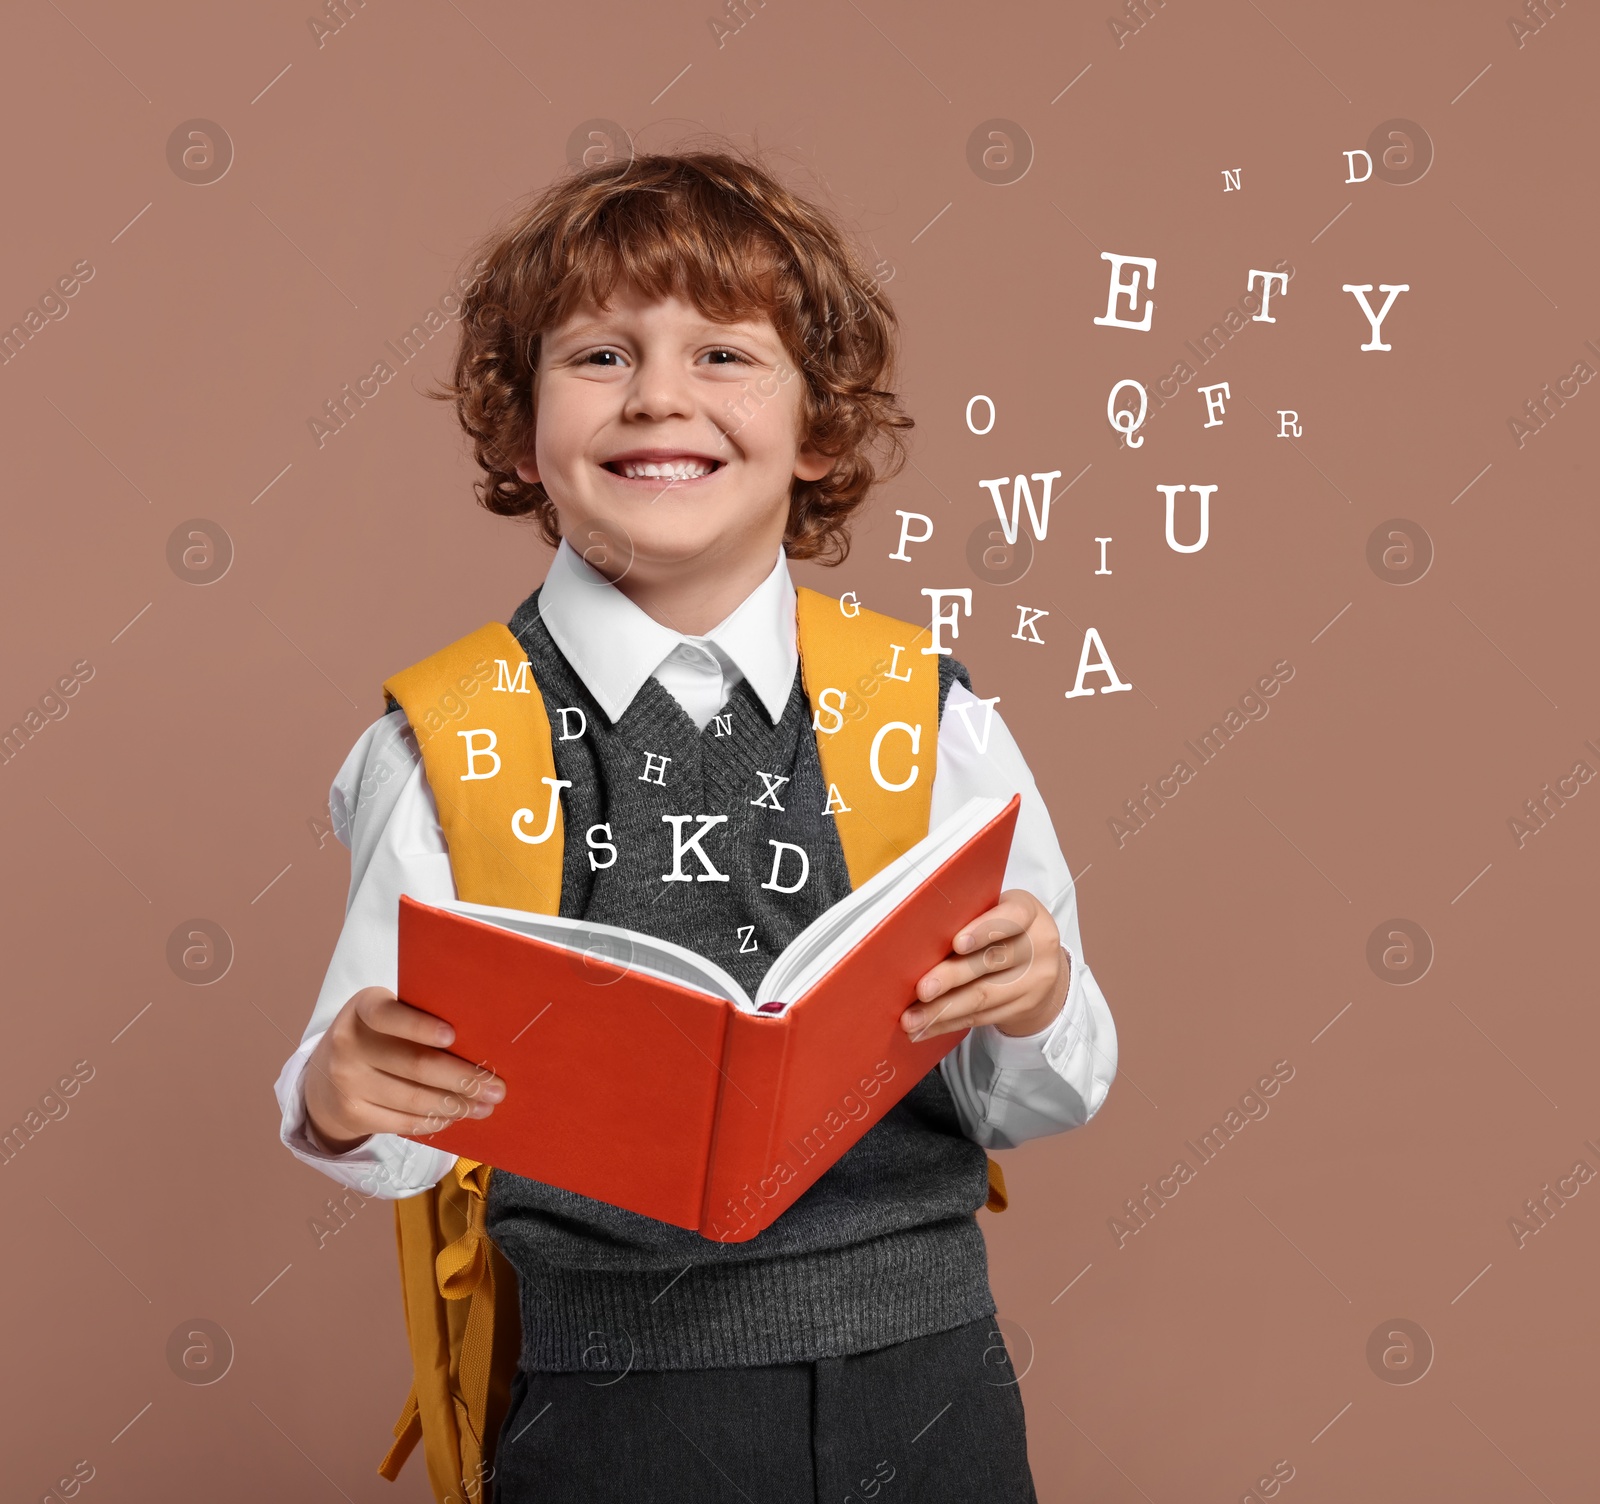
[(1204, 493)]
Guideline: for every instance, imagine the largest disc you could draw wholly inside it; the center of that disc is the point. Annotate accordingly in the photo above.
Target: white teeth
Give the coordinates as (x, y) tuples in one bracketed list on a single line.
[(665, 469)]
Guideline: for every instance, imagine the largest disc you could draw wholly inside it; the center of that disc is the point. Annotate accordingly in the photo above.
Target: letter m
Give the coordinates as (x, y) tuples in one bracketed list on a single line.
[(504, 683)]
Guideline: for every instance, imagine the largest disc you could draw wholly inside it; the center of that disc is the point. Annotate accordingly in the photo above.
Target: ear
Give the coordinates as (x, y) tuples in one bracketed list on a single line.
[(528, 471), (811, 464)]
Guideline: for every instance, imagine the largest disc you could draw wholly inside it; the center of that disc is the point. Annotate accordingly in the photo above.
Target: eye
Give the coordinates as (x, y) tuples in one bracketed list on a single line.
[(597, 355), (732, 354)]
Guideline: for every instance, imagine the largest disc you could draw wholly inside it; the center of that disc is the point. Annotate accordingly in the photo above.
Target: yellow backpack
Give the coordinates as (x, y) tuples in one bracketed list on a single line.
[(863, 675)]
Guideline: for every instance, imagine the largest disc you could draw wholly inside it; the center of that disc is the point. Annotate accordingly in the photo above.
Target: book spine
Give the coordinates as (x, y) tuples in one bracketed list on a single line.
[(746, 1188)]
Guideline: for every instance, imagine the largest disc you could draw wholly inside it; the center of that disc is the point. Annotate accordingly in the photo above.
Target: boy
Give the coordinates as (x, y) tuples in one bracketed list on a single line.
[(678, 368)]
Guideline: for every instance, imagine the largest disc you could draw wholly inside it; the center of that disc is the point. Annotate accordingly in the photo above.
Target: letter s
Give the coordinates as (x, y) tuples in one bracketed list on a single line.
[(595, 846), (824, 708)]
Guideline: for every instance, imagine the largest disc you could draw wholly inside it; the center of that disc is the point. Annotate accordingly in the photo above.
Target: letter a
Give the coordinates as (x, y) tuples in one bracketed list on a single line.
[(1101, 665)]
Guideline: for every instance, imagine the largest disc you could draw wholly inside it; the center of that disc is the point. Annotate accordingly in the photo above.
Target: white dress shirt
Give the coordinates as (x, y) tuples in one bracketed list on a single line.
[(1006, 1088)]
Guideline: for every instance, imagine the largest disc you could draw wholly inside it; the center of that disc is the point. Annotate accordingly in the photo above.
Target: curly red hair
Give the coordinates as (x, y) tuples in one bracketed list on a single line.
[(717, 231)]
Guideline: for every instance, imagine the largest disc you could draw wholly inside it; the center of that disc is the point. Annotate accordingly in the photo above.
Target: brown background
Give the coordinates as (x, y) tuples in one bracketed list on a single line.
[(1231, 933)]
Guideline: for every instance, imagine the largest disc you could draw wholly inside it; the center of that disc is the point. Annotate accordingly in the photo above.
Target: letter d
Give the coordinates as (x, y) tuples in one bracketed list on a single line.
[(1350, 166)]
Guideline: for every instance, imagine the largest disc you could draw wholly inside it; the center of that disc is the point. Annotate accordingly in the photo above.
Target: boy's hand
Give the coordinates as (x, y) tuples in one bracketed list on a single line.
[(1008, 968), (382, 1068)]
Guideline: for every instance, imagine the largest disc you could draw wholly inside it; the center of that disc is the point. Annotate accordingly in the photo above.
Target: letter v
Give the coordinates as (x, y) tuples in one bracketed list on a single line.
[(988, 719)]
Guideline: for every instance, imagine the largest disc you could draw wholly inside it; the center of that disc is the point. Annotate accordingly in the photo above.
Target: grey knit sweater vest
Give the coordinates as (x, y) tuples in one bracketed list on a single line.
[(885, 1246)]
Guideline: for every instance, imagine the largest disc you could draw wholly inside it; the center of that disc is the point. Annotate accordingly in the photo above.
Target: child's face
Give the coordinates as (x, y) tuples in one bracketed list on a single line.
[(657, 381)]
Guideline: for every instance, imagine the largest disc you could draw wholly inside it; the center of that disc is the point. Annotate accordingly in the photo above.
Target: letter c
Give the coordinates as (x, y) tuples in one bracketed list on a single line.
[(915, 733)]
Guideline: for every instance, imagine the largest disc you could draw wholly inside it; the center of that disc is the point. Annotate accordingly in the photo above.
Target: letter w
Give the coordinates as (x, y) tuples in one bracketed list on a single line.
[(1020, 493)]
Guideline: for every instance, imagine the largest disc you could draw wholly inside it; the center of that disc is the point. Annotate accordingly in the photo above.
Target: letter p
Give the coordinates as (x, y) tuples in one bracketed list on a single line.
[(906, 519)]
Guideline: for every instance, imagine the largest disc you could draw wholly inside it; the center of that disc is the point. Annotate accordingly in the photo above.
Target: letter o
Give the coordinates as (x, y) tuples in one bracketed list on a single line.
[(980, 431)]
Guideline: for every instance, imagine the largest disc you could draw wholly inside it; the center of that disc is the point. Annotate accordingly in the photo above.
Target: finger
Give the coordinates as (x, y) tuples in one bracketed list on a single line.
[(957, 1008), (1011, 916), (382, 1012), (406, 1124), (391, 1094), (429, 1067), (966, 1008), (1014, 954)]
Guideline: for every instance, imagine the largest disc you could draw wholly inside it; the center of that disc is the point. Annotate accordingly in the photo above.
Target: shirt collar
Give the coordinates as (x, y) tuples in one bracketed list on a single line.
[(613, 646)]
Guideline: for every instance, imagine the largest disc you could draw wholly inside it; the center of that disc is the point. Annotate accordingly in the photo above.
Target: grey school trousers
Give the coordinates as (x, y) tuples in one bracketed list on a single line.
[(936, 1420)]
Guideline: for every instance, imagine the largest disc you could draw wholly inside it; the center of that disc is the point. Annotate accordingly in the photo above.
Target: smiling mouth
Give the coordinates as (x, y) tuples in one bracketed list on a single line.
[(664, 472)]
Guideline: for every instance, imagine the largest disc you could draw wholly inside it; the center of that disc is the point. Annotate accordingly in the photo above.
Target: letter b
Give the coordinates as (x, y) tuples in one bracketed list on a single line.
[(475, 752)]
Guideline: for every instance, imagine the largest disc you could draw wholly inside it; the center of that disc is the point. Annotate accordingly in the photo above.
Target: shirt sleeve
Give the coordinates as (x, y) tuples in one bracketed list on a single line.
[(383, 810), (1009, 1089)]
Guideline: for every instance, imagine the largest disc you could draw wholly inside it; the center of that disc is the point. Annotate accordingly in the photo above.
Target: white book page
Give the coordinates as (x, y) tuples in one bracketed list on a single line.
[(608, 942), (801, 964), (837, 930)]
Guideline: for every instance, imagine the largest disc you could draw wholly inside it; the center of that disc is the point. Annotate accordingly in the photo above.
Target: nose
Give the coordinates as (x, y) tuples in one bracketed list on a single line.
[(659, 389)]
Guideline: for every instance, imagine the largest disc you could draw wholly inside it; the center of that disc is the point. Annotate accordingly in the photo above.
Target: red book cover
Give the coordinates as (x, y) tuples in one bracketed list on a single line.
[(668, 1101)]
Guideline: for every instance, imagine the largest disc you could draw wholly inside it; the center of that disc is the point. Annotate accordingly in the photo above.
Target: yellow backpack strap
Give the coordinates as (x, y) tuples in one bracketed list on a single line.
[(484, 734), (998, 1200), (463, 1324), (875, 711), (874, 696)]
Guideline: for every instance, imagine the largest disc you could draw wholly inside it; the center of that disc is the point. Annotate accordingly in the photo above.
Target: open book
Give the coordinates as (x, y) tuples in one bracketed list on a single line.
[(640, 1073)]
